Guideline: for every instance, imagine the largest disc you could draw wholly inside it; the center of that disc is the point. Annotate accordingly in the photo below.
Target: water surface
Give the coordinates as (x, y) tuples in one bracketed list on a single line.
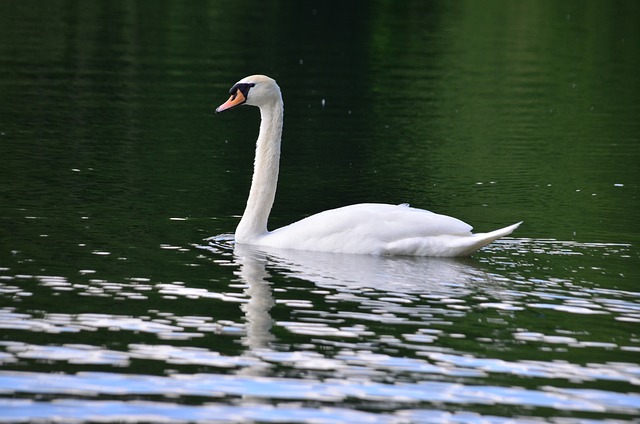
[(123, 298)]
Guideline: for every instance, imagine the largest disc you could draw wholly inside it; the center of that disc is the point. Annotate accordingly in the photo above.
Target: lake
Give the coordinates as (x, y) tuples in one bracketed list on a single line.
[(124, 299)]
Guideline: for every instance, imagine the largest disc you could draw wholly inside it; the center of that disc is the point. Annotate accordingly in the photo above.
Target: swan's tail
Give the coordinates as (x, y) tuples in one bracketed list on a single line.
[(479, 240), (446, 245)]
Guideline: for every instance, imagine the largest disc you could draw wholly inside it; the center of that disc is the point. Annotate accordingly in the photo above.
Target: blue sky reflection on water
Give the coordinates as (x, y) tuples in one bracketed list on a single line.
[(211, 385)]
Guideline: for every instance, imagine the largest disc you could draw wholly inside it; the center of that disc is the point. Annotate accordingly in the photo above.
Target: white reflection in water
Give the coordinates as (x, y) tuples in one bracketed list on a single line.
[(384, 289), (252, 271), (351, 278), (260, 299), (347, 276), (401, 276)]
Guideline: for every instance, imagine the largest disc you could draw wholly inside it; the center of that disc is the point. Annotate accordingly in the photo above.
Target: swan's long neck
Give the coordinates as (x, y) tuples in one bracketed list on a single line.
[(265, 174)]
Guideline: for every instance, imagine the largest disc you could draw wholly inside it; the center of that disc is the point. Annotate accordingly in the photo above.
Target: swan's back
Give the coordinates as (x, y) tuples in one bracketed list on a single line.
[(379, 229)]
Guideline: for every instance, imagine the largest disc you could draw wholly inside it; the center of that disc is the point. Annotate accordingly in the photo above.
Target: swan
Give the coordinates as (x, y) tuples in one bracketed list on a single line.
[(367, 228)]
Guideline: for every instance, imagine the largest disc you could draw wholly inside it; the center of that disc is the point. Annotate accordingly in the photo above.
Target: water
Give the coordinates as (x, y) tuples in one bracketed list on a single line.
[(123, 298)]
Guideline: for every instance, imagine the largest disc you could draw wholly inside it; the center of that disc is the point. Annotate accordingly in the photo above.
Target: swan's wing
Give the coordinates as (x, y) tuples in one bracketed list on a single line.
[(365, 228)]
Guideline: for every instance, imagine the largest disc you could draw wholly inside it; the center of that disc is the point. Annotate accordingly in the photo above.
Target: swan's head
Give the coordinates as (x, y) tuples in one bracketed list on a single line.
[(255, 90)]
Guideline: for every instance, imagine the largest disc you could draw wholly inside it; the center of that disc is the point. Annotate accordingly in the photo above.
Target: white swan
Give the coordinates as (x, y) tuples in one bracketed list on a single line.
[(367, 228)]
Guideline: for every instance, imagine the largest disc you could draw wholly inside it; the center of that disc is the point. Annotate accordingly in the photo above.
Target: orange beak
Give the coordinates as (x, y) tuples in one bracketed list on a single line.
[(236, 99)]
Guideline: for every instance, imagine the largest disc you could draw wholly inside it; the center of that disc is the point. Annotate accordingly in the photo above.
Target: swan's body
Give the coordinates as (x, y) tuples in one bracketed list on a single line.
[(367, 228)]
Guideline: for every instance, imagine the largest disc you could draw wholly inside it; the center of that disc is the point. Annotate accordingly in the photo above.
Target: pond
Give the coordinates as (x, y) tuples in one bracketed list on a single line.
[(124, 299)]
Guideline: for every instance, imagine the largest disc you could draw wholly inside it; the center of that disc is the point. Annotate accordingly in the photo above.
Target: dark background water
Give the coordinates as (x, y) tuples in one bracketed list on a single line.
[(113, 170)]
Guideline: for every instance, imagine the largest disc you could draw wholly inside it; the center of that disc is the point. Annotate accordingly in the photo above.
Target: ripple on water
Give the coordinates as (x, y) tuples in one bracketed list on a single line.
[(216, 386), (167, 326), (382, 341), (158, 412)]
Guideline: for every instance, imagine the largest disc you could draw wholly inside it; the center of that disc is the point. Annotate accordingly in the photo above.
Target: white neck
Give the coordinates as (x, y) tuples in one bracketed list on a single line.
[(265, 174)]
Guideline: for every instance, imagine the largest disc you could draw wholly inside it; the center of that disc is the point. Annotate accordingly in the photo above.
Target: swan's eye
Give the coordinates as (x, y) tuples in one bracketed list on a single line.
[(242, 87), (239, 94)]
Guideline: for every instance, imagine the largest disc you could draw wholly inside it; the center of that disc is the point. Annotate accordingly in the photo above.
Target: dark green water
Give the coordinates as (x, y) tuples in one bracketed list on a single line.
[(114, 171)]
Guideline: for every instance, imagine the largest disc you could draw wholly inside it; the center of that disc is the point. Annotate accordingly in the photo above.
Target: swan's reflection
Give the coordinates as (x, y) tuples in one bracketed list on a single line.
[(344, 273), (252, 271)]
